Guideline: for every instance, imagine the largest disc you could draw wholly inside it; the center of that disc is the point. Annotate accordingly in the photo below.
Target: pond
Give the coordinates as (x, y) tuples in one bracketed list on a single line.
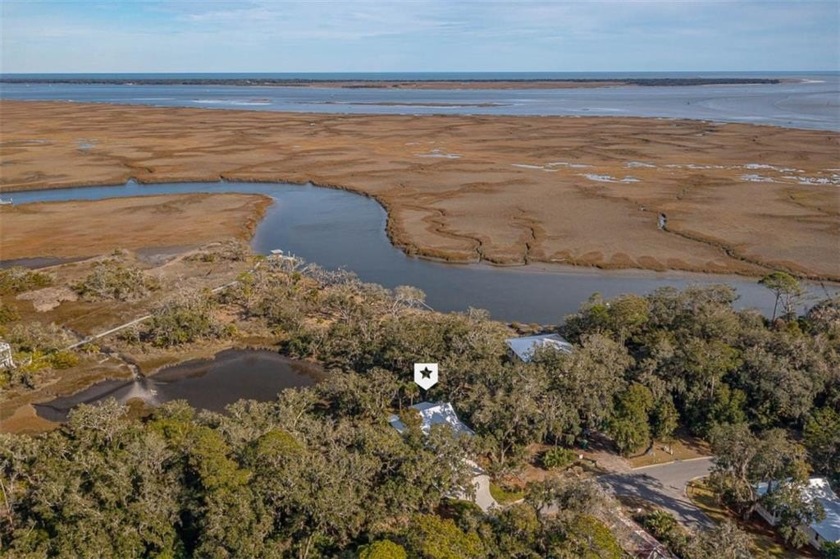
[(209, 384)]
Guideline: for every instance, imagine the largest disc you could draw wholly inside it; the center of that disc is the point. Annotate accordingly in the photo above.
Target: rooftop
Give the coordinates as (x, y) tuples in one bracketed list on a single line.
[(818, 488), (525, 347), (434, 414)]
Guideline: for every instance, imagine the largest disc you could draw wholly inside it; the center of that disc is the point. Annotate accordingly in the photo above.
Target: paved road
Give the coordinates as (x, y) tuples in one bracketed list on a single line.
[(664, 486)]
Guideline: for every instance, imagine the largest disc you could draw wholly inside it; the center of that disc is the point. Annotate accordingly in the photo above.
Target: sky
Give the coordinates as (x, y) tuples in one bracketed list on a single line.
[(417, 35)]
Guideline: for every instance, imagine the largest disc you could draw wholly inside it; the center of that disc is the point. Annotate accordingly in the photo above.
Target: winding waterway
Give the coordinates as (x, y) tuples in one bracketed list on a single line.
[(339, 229)]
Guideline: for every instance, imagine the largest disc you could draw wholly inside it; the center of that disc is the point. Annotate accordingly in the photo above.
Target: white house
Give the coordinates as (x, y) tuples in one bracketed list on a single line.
[(828, 529), (524, 347), (434, 414), (6, 361), (443, 414)]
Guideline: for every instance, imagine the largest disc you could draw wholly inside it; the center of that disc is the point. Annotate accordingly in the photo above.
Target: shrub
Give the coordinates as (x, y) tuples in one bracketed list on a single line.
[(113, 280), (665, 528), (8, 314), (34, 336), (558, 458), (185, 319), (17, 280), (63, 359), (231, 251)]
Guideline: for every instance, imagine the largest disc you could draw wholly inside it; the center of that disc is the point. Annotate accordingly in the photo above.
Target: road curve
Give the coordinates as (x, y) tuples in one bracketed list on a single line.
[(664, 486)]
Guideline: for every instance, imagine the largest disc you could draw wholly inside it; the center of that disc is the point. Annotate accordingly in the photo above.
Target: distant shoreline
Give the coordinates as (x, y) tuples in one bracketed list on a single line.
[(455, 83)]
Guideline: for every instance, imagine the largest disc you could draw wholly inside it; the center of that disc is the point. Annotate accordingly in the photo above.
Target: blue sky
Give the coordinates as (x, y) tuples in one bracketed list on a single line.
[(422, 35)]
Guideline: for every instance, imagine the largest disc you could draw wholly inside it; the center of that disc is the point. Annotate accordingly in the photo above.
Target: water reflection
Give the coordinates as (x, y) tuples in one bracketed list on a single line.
[(336, 228), (206, 384)]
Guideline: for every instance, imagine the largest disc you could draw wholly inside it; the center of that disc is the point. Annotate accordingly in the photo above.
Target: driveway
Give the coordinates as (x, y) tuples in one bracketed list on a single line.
[(481, 484), (664, 486)]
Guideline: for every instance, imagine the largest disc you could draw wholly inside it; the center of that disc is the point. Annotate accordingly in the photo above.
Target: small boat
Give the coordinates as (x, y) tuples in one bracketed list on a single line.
[(6, 202)]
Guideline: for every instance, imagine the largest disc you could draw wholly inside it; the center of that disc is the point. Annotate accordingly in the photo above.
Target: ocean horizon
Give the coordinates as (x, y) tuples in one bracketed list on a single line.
[(413, 76)]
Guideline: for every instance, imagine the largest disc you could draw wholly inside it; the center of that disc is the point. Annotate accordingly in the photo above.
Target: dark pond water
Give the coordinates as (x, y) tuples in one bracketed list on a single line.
[(336, 229), (206, 384), (813, 102)]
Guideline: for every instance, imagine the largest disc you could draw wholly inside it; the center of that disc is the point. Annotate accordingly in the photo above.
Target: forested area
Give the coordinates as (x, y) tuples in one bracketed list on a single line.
[(320, 473)]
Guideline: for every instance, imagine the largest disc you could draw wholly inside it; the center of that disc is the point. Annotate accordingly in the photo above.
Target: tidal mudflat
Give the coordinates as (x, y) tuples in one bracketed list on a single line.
[(340, 229), (740, 199)]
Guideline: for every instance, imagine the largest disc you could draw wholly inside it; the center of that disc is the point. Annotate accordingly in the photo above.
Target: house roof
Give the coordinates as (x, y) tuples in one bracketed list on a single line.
[(829, 528), (525, 347), (818, 488), (434, 414)]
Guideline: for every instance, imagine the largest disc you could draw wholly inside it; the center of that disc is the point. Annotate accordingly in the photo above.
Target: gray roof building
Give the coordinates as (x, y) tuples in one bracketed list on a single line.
[(524, 347), (826, 530)]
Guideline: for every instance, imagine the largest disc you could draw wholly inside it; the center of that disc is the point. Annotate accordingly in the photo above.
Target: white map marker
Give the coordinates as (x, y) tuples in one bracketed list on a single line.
[(426, 374)]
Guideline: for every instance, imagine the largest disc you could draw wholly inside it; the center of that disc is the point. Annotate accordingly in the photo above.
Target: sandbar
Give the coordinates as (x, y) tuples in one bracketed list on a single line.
[(586, 191)]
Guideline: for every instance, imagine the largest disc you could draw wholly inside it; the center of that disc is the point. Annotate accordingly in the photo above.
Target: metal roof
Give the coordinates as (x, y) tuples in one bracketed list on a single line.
[(525, 347), (434, 414), (828, 528), (818, 488)]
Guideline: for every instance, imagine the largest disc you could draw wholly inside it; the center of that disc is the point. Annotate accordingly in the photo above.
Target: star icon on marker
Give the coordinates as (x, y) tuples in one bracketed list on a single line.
[(426, 374)]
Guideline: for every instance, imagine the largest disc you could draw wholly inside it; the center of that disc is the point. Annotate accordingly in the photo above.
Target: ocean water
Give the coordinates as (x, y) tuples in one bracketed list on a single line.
[(801, 100)]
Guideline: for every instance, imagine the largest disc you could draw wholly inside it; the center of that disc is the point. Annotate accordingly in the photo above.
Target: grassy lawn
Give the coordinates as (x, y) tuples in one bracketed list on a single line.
[(504, 495), (683, 447), (765, 542)]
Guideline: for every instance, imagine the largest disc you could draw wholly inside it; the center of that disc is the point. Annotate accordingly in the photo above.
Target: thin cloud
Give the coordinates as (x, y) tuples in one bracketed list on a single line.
[(421, 35)]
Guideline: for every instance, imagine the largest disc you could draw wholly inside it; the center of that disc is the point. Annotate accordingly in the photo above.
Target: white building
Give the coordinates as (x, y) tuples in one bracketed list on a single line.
[(443, 414), (826, 530), (525, 347), (6, 361), (434, 414)]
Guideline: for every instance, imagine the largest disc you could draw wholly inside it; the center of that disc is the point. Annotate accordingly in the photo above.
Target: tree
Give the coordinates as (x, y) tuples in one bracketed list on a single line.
[(566, 494), (588, 380), (619, 318), (629, 426), (517, 529), (787, 290), (432, 537), (831, 550), (697, 370), (743, 460), (508, 414), (664, 420), (98, 487), (17, 279), (383, 549), (724, 541), (558, 458), (822, 439), (588, 538)]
